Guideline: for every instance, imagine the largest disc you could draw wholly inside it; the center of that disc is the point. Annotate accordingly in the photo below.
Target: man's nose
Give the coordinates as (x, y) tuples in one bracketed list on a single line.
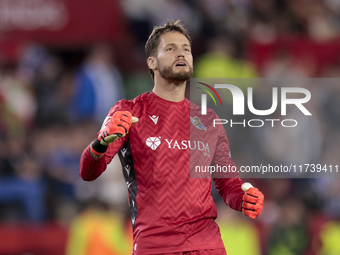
[(180, 54)]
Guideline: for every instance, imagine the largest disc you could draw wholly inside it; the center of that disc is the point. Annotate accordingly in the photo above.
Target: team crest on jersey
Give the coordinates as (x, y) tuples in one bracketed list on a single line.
[(197, 123)]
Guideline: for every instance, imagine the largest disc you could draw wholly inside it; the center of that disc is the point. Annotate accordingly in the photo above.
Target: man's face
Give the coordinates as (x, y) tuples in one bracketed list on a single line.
[(174, 58)]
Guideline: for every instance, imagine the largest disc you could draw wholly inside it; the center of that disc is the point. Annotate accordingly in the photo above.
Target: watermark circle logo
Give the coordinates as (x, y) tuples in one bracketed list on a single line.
[(153, 142)]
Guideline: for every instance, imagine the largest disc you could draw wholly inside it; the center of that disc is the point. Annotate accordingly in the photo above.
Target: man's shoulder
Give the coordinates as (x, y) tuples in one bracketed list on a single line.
[(197, 110), (128, 105), (139, 98)]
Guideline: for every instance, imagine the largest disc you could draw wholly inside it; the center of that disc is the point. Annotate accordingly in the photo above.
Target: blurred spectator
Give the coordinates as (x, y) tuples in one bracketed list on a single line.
[(98, 230), (289, 236), (146, 14), (111, 188), (61, 165), (321, 25), (32, 59), (43, 74), (239, 235), (98, 86), (331, 102), (22, 186), (328, 191), (219, 62), (48, 86), (137, 13), (61, 156), (18, 105), (230, 17), (176, 9), (330, 236), (284, 65)]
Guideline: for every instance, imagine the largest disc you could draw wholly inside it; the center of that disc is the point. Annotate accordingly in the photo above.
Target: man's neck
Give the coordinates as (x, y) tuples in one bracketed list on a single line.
[(170, 90)]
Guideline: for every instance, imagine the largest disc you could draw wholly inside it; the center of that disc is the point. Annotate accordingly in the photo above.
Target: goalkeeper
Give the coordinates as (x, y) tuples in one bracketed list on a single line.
[(170, 212)]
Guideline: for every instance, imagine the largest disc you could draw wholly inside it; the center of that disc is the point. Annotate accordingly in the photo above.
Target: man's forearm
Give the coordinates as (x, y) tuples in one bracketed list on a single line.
[(231, 192), (89, 167)]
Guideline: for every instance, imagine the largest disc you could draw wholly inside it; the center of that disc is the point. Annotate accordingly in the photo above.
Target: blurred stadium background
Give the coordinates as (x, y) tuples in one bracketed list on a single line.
[(64, 63)]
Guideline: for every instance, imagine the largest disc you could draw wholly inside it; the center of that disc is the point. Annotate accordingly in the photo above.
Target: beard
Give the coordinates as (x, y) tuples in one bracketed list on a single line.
[(166, 72)]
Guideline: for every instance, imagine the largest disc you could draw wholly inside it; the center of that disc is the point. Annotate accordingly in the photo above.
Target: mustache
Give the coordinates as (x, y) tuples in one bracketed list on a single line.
[(181, 60)]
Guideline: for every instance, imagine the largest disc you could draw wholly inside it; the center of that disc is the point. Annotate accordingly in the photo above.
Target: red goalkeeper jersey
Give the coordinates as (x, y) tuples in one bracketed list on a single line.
[(170, 211)]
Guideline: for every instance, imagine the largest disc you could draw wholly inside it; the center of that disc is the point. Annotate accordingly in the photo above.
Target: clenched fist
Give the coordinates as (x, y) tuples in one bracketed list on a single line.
[(252, 202), (118, 125)]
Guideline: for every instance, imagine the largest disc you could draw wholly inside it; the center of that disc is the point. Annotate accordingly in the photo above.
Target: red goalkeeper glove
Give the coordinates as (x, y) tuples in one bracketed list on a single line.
[(113, 128), (252, 203), (117, 126)]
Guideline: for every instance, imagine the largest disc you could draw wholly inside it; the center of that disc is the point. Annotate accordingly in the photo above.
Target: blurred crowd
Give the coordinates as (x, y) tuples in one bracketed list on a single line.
[(53, 101)]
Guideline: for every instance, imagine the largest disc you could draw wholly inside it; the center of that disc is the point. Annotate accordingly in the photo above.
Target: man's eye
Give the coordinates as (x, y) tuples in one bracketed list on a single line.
[(187, 50), (170, 49)]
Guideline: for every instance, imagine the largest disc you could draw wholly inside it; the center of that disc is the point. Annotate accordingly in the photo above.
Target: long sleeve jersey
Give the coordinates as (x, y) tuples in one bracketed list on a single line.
[(172, 209)]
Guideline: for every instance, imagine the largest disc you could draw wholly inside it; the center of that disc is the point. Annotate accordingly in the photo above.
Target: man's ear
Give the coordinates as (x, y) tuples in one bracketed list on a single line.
[(152, 63)]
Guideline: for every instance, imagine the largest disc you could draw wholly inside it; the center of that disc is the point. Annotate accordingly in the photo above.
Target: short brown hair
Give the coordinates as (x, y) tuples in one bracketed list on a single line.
[(153, 41)]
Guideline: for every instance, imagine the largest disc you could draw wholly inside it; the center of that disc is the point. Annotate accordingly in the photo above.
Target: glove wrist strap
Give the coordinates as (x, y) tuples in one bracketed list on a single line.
[(97, 148)]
